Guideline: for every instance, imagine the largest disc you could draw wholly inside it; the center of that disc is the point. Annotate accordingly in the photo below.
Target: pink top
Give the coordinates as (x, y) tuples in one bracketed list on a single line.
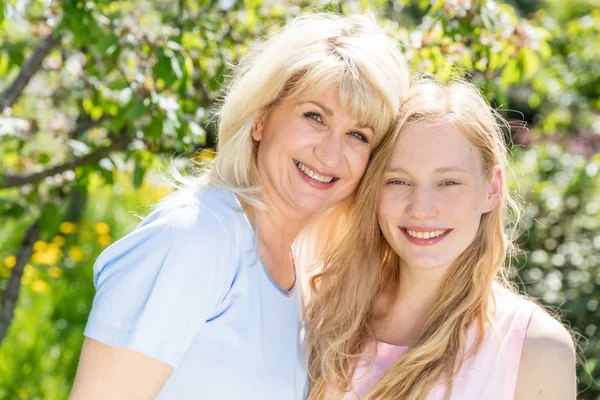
[(489, 374)]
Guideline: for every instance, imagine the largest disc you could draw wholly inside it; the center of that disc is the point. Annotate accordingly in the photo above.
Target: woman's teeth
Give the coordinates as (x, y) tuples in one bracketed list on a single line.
[(426, 235), (309, 172)]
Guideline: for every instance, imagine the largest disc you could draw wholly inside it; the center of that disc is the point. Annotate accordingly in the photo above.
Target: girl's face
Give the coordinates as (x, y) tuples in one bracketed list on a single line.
[(313, 153), (434, 195)]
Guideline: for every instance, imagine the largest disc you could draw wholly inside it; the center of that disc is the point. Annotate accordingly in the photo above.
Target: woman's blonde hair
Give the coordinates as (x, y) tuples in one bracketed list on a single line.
[(313, 52), (360, 265)]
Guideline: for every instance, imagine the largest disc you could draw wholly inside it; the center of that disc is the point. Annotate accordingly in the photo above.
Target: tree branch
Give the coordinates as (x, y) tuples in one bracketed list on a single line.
[(29, 68), (11, 294), (119, 143), (84, 124)]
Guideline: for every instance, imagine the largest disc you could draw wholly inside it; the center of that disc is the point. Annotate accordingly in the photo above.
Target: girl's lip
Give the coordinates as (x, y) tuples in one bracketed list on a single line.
[(424, 242), (423, 228)]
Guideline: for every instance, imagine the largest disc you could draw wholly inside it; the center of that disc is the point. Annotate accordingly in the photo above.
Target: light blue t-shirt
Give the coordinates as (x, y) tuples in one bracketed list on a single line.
[(188, 288)]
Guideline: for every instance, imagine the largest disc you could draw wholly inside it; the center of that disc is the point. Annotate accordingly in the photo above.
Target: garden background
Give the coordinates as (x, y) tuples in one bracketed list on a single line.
[(95, 95)]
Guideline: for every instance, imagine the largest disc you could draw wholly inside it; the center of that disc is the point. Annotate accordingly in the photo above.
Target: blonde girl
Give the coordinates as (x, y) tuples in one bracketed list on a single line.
[(200, 301), (413, 301)]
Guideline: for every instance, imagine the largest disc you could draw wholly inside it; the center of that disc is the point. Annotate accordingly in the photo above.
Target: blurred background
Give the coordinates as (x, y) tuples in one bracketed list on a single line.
[(96, 95)]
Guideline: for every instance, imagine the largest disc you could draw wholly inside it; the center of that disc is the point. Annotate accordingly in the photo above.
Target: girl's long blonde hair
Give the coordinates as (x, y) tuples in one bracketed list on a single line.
[(360, 265), (313, 52)]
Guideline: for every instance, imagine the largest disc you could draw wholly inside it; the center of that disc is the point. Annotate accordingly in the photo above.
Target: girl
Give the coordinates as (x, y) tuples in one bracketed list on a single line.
[(413, 301), (200, 301)]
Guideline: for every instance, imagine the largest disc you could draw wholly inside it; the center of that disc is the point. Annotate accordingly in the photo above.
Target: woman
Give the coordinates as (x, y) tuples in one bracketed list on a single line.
[(413, 300), (200, 300)]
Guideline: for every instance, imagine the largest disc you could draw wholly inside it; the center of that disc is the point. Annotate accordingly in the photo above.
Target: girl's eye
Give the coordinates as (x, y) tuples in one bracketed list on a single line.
[(359, 136), (314, 116), (450, 183)]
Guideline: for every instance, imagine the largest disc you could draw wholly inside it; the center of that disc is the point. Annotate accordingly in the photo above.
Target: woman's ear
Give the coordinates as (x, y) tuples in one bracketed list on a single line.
[(494, 189), (257, 129)]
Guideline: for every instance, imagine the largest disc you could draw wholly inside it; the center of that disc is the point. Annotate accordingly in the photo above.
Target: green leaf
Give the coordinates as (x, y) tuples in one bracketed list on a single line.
[(118, 84), (15, 211), (50, 218), (531, 62), (4, 63), (510, 74), (163, 69), (466, 61), (155, 129), (1, 11), (135, 109), (176, 66), (138, 173)]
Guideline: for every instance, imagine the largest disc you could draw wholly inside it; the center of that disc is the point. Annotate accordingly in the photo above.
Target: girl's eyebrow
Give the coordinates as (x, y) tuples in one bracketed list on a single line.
[(439, 170)]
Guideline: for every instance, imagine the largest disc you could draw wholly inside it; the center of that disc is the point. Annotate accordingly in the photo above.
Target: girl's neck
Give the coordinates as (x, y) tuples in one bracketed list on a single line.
[(408, 311)]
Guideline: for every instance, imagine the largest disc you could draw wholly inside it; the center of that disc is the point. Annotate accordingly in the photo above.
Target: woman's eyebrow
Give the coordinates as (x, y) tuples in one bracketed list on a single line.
[(328, 111)]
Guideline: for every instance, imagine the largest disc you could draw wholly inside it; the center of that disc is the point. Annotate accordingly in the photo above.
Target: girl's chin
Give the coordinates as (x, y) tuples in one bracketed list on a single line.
[(420, 263)]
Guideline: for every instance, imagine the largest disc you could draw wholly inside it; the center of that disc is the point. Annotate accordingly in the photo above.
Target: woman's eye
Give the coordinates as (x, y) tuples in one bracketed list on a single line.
[(314, 116), (450, 183), (360, 136)]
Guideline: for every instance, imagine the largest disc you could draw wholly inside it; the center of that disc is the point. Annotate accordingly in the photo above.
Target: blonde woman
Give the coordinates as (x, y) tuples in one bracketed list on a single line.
[(413, 301), (200, 301)]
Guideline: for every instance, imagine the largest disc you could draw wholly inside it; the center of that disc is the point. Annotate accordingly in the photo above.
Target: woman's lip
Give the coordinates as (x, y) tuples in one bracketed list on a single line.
[(316, 170), (313, 182), (422, 241)]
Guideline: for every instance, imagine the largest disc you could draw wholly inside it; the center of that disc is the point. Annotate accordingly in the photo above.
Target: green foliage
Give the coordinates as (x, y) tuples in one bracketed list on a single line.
[(560, 263), (125, 83), (38, 358)]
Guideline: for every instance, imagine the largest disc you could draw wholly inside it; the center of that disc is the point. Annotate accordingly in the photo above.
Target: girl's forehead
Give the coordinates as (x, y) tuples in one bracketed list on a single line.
[(433, 145)]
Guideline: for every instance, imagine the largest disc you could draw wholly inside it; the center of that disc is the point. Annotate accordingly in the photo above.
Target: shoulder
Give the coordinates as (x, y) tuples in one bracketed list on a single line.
[(546, 335), (187, 210), (548, 356), (181, 226)]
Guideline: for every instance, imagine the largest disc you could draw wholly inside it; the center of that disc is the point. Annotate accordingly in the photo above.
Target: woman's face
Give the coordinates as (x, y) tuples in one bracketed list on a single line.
[(434, 195), (313, 153)]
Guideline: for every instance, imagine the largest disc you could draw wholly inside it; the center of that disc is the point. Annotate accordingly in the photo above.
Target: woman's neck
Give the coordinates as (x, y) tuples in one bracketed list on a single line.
[(278, 224), (277, 227)]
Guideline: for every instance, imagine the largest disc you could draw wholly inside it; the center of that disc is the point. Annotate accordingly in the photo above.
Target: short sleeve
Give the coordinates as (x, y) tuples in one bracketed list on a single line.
[(156, 287)]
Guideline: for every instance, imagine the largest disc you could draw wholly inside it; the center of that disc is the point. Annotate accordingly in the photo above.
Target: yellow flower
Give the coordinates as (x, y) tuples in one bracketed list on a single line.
[(28, 273), (104, 240), (49, 257), (102, 228), (68, 227), (39, 286), (10, 261), (58, 240), (40, 245), (55, 272), (76, 254)]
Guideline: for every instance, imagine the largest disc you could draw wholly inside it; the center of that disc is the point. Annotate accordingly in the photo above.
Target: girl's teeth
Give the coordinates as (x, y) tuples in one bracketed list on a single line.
[(425, 235)]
